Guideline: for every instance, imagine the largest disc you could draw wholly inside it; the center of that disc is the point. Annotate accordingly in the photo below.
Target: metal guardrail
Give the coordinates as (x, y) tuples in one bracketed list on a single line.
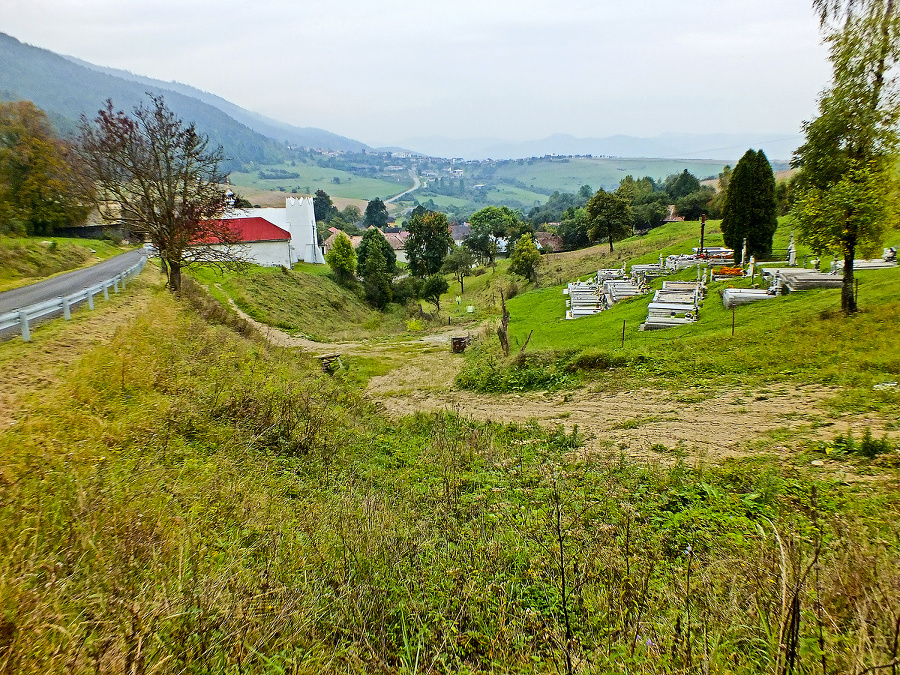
[(24, 316)]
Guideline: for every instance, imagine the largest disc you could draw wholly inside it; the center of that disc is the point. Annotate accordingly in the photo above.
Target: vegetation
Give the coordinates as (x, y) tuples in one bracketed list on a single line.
[(608, 218), (225, 506), (159, 176), (39, 186), (525, 258), (342, 259), (428, 243), (846, 189), (749, 210), (24, 260)]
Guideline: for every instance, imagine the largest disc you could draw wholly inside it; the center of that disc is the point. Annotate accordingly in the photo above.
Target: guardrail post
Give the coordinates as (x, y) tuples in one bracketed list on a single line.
[(23, 323), (116, 283), (90, 298), (67, 312), (106, 290)]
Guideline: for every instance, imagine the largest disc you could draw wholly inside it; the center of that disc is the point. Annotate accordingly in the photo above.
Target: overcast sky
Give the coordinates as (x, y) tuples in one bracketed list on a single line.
[(382, 71)]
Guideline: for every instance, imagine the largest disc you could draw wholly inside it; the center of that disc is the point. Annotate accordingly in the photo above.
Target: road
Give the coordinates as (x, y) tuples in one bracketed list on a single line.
[(67, 283), (416, 185)]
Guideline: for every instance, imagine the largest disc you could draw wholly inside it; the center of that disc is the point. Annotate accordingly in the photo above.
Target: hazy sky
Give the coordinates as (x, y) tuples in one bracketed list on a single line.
[(382, 71)]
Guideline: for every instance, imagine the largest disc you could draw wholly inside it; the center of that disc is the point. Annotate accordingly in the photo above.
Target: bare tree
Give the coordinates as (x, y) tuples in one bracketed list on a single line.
[(155, 174)]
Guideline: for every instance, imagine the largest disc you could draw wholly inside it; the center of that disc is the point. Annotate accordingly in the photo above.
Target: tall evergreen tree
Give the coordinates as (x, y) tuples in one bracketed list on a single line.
[(750, 210), (376, 214), (372, 239)]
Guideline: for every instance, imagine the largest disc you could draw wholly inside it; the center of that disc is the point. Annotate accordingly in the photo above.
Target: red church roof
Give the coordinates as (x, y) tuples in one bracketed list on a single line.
[(255, 229)]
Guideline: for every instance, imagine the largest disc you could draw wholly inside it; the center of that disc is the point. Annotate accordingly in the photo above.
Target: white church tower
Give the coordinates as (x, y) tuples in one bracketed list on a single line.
[(301, 221)]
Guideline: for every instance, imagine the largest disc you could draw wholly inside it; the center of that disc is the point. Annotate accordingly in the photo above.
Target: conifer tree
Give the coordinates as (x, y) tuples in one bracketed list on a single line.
[(750, 210)]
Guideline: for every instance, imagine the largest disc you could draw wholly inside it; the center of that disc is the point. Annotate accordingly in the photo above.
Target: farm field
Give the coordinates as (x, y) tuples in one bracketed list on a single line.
[(311, 178)]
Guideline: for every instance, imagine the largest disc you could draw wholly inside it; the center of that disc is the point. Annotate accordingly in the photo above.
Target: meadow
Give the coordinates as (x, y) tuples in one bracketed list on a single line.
[(184, 498)]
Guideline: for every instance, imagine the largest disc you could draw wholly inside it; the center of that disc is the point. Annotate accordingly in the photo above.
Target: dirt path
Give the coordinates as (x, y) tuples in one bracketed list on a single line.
[(642, 422)]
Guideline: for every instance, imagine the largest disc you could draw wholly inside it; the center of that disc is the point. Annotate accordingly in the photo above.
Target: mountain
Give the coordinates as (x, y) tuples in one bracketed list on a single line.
[(307, 137), (727, 147), (66, 89)]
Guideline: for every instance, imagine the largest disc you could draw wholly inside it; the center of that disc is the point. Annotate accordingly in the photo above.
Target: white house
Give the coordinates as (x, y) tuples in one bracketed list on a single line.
[(260, 242), (298, 217)]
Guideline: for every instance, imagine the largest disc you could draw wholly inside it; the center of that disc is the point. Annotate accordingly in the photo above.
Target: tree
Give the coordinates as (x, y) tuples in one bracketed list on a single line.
[(428, 242), (525, 257), (433, 288), (372, 239), (342, 258), (749, 210), (459, 264), (376, 278), (695, 204), (488, 225), (376, 214), (573, 229), (609, 217), (681, 184), (844, 193), (157, 175), (40, 189), (323, 207), (351, 214)]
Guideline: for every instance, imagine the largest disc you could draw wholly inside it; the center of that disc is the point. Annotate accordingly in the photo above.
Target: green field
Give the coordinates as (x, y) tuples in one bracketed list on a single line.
[(312, 178), (569, 174)]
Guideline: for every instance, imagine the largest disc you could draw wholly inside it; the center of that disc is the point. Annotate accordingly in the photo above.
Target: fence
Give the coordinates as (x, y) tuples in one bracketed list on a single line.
[(24, 316)]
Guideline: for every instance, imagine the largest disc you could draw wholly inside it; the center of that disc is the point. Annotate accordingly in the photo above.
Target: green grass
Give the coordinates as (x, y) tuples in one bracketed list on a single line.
[(24, 260), (314, 178), (305, 301), (569, 174), (185, 500), (799, 337)]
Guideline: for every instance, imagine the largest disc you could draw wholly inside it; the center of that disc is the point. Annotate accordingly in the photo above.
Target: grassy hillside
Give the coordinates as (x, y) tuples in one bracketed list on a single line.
[(187, 500), (801, 337), (304, 301), (26, 260)]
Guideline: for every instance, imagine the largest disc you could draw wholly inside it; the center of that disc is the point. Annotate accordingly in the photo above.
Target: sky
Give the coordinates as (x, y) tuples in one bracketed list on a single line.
[(388, 70)]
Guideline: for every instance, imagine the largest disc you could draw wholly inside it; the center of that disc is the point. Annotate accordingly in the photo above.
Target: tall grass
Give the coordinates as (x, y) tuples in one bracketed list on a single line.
[(191, 501)]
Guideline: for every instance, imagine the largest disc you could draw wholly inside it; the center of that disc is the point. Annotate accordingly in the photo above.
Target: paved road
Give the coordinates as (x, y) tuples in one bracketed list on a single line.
[(70, 282), (416, 185)]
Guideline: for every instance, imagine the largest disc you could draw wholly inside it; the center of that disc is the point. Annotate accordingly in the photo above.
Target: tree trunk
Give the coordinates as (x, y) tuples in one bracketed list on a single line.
[(610, 244), (175, 277), (848, 299)]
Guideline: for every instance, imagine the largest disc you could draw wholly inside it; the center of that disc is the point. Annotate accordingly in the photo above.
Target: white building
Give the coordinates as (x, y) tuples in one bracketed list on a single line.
[(298, 217)]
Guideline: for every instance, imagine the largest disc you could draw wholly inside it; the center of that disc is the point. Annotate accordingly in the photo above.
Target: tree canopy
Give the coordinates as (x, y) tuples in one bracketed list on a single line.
[(525, 258), (376, 214), (372, 239), (750, 210), (845, 191), (488, 225), (40, 188), (428, 242), (342, 258), (609, 217), (157, 174), (323, 207)]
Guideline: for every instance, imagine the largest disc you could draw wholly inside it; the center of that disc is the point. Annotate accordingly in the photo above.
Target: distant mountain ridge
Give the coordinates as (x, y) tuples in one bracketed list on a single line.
[(308, 137), (67, 88), (727, 147)]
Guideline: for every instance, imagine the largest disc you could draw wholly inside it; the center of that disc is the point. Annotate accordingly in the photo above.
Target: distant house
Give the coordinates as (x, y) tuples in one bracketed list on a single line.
[(298, 218), (260, 241), (548, 241), (460, 232)]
